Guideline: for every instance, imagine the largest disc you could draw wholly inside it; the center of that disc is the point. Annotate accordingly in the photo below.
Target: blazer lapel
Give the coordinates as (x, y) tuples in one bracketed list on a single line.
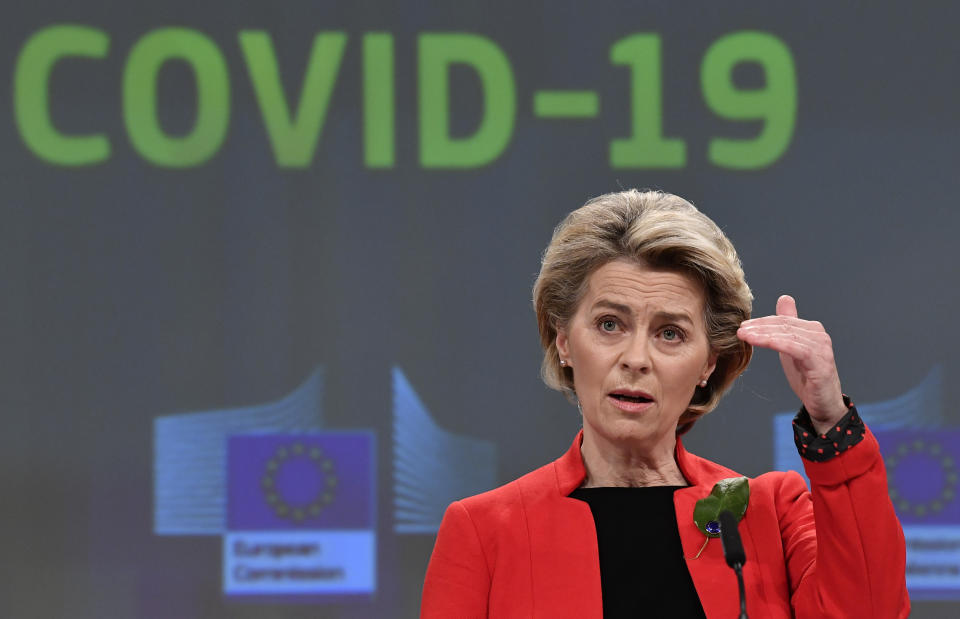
[(565, 563), (714, 580)]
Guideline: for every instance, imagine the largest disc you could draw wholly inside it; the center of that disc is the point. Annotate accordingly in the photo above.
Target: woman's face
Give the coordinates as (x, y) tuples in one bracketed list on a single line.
[(638, 348)]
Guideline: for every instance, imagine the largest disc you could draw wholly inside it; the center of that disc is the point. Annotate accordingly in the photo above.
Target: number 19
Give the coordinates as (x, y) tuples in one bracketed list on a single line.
[(775, 103)]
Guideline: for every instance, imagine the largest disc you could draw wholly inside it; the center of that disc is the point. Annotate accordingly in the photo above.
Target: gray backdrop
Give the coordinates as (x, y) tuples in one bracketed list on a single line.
[(132, 291)]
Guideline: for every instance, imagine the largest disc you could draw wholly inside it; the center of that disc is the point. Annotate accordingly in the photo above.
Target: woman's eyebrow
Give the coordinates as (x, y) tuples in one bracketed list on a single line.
[(674, 317), (617, 307), (660, 315)]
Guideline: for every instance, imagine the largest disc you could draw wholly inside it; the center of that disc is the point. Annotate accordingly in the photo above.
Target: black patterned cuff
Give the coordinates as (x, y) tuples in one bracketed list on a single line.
[(821, 447)]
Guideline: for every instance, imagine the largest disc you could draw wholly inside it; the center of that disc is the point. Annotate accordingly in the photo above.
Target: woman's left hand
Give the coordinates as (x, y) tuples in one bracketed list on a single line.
[(806, 353)]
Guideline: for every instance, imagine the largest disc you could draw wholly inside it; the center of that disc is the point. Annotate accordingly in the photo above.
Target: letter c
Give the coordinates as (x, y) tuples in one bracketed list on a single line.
[(31, 95)]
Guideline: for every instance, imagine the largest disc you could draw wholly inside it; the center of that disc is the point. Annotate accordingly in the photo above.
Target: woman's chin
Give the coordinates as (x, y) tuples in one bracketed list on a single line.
[(633, 431)]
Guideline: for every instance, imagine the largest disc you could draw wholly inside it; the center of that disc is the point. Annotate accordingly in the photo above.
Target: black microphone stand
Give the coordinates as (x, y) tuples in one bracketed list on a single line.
[(734, 554), (738, 568)]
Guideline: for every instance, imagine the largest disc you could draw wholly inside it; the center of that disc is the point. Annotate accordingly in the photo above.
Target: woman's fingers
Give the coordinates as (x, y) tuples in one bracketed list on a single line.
[(787, 306), (786, 322), (763, 334), (797, 344), (806, 353)]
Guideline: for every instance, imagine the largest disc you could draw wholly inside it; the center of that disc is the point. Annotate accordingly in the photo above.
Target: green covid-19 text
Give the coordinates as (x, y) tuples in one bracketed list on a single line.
[(294, 127)]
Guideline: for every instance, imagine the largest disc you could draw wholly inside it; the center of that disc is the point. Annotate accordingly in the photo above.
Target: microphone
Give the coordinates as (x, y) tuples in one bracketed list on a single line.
[(733, 553)]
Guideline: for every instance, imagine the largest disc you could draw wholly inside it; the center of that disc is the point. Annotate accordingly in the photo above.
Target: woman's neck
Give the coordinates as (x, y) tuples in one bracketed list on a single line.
[(611, 464)]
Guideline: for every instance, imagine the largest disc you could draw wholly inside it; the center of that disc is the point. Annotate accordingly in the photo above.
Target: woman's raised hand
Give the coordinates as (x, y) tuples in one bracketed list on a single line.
[(806, 353)]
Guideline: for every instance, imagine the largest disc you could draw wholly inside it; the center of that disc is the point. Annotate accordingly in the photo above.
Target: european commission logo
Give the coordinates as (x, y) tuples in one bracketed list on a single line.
[(300, 515), (293, 501)]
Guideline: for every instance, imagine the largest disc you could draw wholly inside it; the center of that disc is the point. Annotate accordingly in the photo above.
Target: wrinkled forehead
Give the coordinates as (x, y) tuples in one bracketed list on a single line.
[(638, 288)]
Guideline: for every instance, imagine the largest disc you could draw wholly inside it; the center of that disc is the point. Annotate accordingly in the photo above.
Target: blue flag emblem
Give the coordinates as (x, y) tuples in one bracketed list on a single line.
[(300, 482), (923, 474), (300, 515)]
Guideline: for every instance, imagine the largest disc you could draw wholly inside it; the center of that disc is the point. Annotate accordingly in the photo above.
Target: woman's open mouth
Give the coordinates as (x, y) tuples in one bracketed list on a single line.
[(631, 401), (630, 398)]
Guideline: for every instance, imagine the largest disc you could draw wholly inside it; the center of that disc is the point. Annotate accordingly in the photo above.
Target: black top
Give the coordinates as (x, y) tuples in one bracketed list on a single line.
[(642, 569)]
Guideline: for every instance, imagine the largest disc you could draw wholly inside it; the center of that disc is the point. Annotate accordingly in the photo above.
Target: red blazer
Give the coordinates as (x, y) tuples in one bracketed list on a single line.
[(527, 550)]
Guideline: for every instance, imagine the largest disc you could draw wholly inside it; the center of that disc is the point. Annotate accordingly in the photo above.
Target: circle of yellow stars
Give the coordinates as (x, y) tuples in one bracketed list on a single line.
[(949, 467), (324, 496)]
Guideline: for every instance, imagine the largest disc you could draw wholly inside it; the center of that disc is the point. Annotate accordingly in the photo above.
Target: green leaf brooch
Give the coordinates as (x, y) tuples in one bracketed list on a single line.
[(732, 494)]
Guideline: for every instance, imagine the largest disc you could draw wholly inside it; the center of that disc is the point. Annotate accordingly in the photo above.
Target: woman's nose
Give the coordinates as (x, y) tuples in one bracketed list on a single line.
[(636, 354)]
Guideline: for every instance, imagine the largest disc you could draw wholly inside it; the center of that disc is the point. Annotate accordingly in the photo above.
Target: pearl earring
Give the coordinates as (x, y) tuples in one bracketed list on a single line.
[(703, 383), (563, 363)]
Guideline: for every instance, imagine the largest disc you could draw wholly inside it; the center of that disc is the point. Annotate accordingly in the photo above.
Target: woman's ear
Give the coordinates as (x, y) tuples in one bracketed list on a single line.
[(562, 344), (711, 365)]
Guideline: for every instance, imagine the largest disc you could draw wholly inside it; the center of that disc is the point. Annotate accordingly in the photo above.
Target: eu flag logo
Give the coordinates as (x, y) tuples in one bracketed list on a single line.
[(923, 474), (300, 515), (300, 482)]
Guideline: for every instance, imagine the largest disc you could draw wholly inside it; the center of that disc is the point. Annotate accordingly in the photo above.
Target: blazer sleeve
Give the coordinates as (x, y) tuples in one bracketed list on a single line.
[(843, 544), (457, 583)]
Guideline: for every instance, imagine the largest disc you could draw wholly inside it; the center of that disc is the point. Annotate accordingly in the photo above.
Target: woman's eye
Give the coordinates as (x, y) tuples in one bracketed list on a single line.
[(671, 334), (608, 325)]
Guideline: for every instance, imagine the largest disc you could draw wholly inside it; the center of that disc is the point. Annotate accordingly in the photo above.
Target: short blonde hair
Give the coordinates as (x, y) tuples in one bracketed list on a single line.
[(656, 229)]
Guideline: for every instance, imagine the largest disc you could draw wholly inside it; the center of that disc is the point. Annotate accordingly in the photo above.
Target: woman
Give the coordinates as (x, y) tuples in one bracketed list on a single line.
[(644, 318)]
